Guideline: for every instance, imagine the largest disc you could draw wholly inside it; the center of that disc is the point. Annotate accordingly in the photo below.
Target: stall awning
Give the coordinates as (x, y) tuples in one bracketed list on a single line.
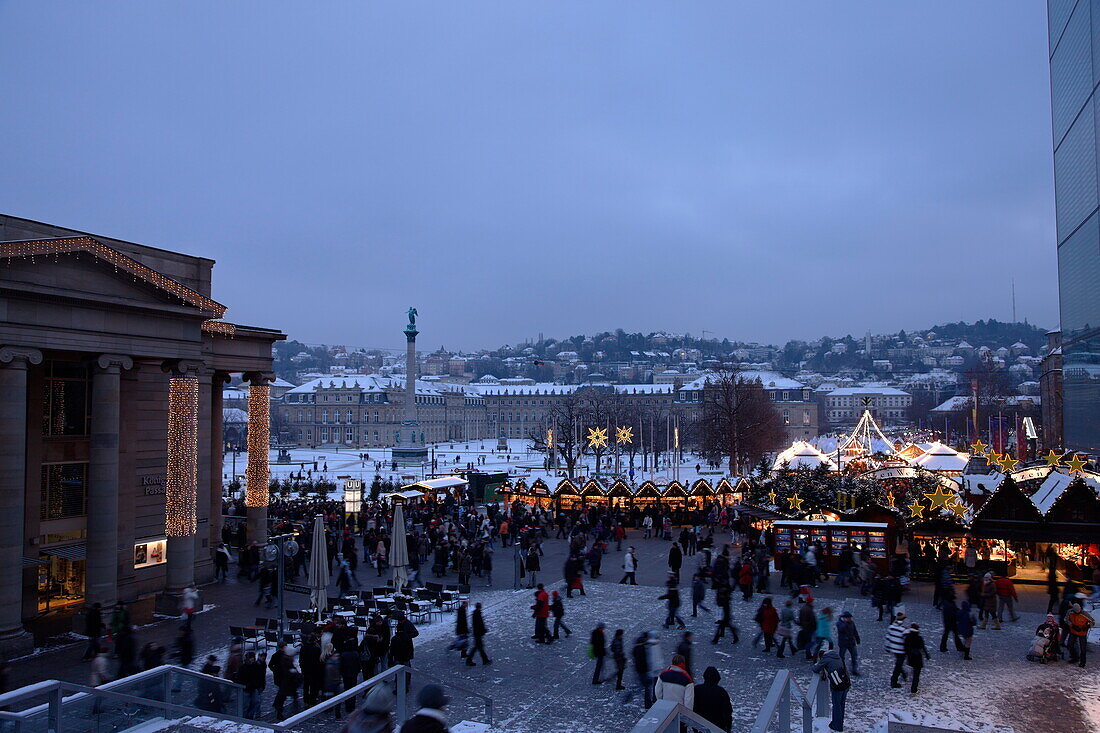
[(29, 561), (70, 552), (759, 512), (438, 484)]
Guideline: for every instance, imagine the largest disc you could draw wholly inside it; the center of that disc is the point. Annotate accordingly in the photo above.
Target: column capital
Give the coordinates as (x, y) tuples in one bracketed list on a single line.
[(258, 379), (113, 363), (183, 367), (19, 357), (221, 377)]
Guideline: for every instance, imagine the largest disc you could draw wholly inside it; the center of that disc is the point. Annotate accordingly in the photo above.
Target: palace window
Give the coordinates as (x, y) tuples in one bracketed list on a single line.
[(786, 417), (65, 398), (64, 490)]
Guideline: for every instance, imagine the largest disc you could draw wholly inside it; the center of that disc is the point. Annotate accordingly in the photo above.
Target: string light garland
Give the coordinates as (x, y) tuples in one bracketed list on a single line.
[(181, 480), (74, 245), (222, 328), (258, 475)]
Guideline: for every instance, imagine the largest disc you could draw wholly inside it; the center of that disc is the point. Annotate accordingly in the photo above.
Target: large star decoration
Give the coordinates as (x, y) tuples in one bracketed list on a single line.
[(1054, 458), (597, 437), (891, 501), (993, 458), (771, 498), (1076, 464), (979, 448), (916, 510), (795, 502), (624, 435), (958, 508), (940, 499), (1008, 463), (550, 437)]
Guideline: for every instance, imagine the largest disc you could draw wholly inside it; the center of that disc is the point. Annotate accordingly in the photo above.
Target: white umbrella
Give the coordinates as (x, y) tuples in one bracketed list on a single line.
[(318, 567), (399, 550)]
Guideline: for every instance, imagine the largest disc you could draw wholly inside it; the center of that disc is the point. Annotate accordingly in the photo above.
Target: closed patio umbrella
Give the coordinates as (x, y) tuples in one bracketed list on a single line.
[(399, 550), (318, 567)]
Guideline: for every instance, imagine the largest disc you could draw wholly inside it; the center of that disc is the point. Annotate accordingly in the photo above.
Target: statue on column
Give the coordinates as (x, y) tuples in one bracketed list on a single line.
[(412, 318)]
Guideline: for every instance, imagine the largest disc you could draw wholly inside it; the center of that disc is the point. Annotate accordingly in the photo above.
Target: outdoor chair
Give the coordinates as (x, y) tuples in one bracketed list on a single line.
[(251, 635), (271, 638)]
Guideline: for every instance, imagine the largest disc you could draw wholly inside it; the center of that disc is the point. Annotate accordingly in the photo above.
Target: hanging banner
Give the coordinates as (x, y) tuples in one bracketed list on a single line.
[(891, 472)]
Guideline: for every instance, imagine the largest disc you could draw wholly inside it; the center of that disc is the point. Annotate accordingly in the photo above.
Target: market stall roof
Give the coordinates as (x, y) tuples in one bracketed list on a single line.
[(439, 484), (411, 494), (801, 455), (822, 523), (1055, 485), (759, 512), (940, 457)]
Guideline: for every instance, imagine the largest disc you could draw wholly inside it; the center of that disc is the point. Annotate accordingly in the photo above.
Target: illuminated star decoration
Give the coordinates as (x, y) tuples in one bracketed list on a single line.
[(550, 437), (958, 508), (1008, 463), (1054, 458), (795, 502), (940, 499), (624, 435), (891, 501), (1076, 464), (771, 497), (916, 510), (597, 437), (993, 458), (979, 448)]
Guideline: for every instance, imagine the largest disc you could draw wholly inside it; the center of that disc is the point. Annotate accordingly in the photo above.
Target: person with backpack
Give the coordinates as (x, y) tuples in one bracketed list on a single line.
[(834, 671), (1079, 623)]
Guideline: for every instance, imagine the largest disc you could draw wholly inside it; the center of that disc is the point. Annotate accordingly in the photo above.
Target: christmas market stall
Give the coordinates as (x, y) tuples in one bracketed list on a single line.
[(674, 497), (701, 494), (620, 494), (647, 495), (566, 496), (593, 494), (439, 488), (875, 537), (539, 494)]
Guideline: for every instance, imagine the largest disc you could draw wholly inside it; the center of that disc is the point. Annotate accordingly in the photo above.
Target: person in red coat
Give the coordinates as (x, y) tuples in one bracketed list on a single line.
[(744, 579), (768, 620), (541, 612)]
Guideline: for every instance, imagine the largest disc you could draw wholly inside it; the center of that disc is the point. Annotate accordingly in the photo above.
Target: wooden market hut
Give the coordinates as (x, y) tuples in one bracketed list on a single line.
[(620, 494), (727, 494), (566, 495), (647, 495), (540, 493), (593, 493), (675, 496), (701, 494)]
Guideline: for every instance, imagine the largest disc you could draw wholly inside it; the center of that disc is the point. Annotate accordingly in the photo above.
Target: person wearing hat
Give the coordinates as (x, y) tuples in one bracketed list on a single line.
[(915, 653), (375, 714), (1079, 623), (895, 644), (847, 638), (429, 718)]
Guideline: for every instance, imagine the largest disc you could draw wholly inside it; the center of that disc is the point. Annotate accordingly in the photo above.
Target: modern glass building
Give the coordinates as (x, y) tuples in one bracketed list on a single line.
[(1074, 27)]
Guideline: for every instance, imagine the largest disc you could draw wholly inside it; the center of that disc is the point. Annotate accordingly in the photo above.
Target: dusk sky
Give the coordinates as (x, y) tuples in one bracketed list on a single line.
[(764, 171)]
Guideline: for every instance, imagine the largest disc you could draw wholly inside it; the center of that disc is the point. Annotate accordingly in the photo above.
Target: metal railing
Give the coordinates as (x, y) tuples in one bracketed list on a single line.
[(777, 705), (171, 693), (671, 717)]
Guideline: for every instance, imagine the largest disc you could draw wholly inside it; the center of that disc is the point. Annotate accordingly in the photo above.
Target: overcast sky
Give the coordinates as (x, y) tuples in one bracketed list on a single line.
[(764, 171)]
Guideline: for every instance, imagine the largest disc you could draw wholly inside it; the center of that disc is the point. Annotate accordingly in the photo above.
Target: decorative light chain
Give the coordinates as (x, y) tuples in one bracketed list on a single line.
[(257, 475), (120, 261), (183, 457), (223, 328)]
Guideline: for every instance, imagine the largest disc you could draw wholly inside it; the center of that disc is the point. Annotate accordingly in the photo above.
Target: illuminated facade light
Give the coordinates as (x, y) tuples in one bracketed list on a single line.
[(257, 475), (181, 480)]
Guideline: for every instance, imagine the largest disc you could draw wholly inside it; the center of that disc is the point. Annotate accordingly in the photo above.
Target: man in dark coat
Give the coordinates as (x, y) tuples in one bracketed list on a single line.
[(429, 718), (675, 560), (313, 670), (479, 630), (712, 701), (598, 644)]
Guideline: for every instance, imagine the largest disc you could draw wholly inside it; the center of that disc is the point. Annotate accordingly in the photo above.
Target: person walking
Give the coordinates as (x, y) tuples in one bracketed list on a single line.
[(93, 629), (252, 678), (309, 659), (533, 566), (698, 594), (767, 618), (643, 669), (724, 622), (675, 560), (1079, 622), (1006, 598), (557, 608), (823, 631), (950, 613), (836, 674), (989, 602), (675, 684), (915, 653), (221, 563), (807, 627), (672, 596), (618, 655), (847, 639), (462, 631), (597, 649), (895, 644), (786, 628), (630, 566), (686, 649), (964, 628), (540, 612), (477, 626), (713, 702)]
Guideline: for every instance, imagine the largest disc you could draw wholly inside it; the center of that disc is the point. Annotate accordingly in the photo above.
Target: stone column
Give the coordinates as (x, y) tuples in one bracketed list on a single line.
[(181, 473), (101, 584), (257, 474), (217, 450), (14, 360)]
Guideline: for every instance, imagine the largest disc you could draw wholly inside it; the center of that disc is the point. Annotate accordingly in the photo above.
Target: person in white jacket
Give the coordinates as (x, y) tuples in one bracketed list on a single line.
[(675, 684), (630, 565)]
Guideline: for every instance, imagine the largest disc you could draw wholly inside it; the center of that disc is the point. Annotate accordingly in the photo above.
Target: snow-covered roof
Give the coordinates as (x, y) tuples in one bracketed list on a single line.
[(1054, 486), (768, 379), (801, 455), (371, 383), (438, 484), (549, 388), (280, 382), (940, 457), (850, 391), (962, 402)]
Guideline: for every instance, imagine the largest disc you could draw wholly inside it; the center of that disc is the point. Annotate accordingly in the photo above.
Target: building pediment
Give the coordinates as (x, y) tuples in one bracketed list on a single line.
[(84, 266)]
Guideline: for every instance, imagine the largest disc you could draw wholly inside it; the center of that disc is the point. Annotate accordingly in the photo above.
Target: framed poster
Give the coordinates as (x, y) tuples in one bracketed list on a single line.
[(877, 543), (150, 552)]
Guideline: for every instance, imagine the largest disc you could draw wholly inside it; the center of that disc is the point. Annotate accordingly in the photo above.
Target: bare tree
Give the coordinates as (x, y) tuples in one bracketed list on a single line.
[(739, 421), (565, 417)]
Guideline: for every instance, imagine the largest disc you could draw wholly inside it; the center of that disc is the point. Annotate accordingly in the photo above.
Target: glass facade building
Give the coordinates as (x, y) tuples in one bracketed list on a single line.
[(1074, 27)]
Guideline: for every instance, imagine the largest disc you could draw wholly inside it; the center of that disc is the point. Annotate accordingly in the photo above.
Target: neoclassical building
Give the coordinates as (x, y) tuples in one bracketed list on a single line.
[(112, 361)]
